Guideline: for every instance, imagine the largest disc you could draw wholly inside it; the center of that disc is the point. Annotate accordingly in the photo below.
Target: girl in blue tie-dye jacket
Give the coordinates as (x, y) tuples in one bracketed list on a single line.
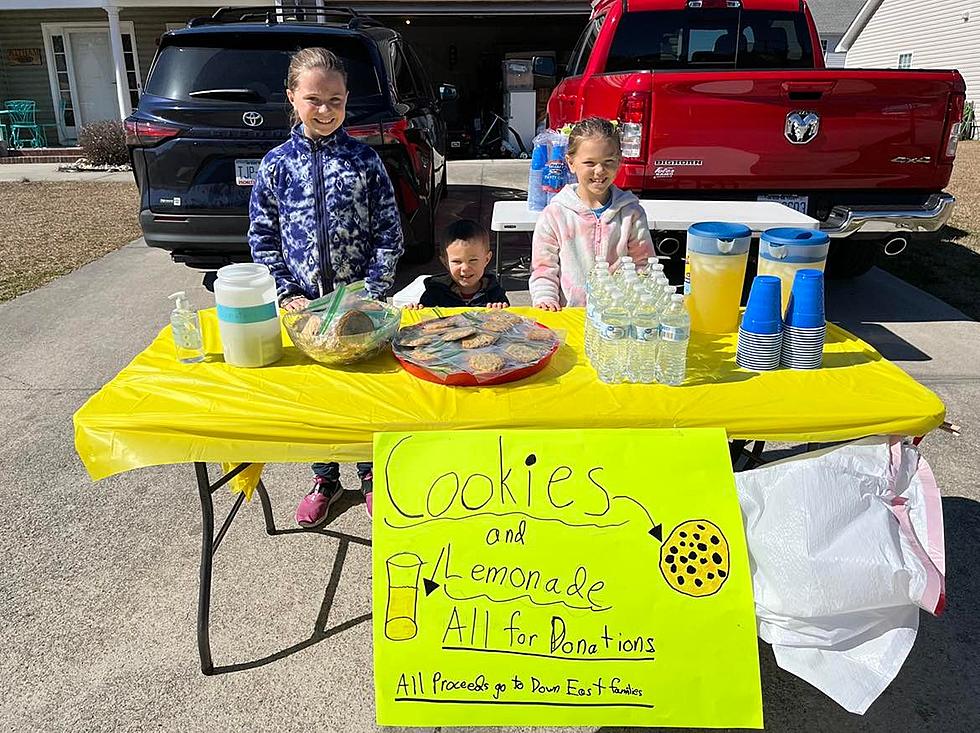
[(323, 210), (322, 214)]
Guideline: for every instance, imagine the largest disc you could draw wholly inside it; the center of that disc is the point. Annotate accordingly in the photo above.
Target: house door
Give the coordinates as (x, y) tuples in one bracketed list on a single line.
[(95, 77)]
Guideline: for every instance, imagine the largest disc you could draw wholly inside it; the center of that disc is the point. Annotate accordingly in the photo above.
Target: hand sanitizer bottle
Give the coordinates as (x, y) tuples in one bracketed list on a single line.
[(186, 331)]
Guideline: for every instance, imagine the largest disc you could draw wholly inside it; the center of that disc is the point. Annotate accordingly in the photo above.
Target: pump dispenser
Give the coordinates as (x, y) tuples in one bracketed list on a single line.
[(186, 330)]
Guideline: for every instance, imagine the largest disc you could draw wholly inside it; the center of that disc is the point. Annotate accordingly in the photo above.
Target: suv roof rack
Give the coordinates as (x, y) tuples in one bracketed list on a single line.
[(275, 14)]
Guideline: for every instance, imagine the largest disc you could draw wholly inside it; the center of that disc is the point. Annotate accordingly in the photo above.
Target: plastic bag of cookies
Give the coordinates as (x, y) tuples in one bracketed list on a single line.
[(343, 327), (475, 347)]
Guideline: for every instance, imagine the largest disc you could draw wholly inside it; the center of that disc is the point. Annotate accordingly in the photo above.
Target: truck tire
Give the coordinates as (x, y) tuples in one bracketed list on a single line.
[(847, 259)]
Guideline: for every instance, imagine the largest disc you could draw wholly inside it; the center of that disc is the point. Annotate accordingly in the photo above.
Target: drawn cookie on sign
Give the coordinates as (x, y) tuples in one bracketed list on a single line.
[(694, 558)]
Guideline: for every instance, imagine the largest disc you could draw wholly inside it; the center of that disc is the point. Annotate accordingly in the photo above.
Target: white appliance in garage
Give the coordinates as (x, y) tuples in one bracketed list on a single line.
[(522, 78), (519, 109)]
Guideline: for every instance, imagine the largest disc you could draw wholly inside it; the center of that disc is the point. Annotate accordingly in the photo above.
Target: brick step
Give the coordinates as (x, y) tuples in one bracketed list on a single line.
[(42, 155)]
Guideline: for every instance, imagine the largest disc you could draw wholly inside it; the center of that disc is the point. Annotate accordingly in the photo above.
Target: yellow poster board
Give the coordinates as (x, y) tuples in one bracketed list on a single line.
[(549, 577)]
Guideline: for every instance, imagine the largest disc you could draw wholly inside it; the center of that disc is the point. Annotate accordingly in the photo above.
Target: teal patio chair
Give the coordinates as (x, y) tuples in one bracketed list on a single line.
[(24, 129)]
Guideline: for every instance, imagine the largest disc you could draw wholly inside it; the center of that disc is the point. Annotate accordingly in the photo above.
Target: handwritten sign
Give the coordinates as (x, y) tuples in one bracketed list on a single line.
[(561, 578)]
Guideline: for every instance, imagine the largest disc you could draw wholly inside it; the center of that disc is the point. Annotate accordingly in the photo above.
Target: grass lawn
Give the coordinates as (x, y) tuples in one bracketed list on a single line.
[(51, 229)]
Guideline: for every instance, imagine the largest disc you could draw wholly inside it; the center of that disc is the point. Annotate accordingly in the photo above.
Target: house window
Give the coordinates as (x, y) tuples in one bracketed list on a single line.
[(132, 78), (905, 61), (64, 82), (823, 45)]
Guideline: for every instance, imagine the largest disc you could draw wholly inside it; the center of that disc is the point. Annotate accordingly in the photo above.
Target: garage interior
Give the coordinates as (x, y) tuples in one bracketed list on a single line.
[(468, 48)]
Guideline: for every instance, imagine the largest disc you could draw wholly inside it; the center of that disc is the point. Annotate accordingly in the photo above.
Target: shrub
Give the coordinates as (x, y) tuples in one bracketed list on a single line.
[(104, 143), (969, 121)]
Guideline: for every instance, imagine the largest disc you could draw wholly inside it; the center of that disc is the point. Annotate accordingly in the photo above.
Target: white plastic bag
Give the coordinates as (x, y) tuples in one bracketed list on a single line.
[(846, 545)]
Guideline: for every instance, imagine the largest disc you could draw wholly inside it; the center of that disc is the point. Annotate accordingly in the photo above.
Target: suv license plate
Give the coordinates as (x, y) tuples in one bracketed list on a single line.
[(794, 202), (245, 170)]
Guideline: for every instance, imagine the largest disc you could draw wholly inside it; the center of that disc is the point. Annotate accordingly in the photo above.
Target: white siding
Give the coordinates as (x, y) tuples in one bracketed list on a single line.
[(933, 31)]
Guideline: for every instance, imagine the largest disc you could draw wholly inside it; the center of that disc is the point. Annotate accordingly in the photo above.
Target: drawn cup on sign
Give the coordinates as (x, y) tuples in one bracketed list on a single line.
[(403, 592)]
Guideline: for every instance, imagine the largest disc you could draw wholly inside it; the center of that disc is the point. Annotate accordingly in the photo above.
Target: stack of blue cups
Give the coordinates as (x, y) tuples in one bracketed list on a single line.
[(805, 328), (760, 334)]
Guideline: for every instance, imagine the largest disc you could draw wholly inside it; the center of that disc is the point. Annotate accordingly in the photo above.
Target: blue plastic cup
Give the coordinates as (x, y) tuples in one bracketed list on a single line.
[(806, 306), (762, 309)]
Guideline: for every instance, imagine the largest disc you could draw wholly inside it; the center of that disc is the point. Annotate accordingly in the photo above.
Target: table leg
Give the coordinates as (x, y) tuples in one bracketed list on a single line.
[(496, 257), (207, 558), (270, 523), (209, 545)]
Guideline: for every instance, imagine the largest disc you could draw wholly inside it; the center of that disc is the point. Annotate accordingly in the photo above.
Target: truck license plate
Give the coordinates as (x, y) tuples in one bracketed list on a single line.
[(794, 202), (245, 169)]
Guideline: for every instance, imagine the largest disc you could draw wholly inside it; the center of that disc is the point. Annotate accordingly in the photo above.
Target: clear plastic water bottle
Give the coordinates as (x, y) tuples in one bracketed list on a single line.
[(675, 334), (595, 290), (613, 343), (645, 340), (630, 285)]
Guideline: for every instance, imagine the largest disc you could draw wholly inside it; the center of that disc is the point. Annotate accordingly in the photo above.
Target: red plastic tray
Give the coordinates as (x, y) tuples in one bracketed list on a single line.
[(465, 379)]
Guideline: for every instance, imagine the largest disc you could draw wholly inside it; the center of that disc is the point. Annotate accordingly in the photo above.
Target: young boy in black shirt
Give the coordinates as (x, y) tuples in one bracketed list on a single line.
[(465, 253)]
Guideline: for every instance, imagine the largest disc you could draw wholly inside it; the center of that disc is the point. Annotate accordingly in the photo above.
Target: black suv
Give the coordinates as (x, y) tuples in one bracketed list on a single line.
[(215, 103)]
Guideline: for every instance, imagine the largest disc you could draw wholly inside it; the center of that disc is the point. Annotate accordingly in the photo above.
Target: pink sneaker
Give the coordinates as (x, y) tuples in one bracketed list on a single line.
[(367, 488), (314, 508)]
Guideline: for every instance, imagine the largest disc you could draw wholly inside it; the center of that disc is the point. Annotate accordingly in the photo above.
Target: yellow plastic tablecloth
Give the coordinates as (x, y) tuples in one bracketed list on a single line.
[(158, 411)]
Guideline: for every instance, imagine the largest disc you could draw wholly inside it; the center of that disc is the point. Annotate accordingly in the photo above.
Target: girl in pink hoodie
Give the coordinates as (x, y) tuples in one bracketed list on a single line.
[(586, 220)]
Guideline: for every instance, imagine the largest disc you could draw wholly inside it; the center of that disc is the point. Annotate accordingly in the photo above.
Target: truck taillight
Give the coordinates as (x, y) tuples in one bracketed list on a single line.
[(634, 118), (956, 105), (139, 132)]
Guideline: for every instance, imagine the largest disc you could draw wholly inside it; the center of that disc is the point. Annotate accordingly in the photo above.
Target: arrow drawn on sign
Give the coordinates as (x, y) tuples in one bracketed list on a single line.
[(656, 530), (430, 583)]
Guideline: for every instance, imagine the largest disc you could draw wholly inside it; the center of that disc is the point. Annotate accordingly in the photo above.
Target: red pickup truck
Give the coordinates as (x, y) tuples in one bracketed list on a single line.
[(730, 99)]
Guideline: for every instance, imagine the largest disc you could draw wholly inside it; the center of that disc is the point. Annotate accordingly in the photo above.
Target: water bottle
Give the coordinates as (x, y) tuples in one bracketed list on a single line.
[(675, 333), (630, 285), (613, 345), (537, 199), (554, 178), (645, 340), (594, 288)]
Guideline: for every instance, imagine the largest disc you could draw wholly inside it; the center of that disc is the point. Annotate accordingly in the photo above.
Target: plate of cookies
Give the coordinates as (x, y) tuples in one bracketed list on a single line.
[(475, 348)]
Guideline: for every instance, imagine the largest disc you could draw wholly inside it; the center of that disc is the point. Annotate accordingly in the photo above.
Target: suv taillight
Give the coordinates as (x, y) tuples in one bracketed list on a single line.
[(634, 119), (955, 123), (140, 132)]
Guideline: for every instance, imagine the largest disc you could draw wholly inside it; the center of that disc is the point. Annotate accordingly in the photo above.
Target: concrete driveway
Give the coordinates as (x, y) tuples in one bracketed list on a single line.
[(99, 581)]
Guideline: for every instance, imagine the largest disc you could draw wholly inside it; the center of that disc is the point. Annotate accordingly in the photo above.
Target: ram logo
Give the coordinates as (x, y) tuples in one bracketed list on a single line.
[(801, 127)]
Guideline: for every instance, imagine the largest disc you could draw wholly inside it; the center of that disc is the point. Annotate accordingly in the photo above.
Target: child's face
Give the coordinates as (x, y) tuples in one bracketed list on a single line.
[(466, 261), (595, 164), (320, 101)]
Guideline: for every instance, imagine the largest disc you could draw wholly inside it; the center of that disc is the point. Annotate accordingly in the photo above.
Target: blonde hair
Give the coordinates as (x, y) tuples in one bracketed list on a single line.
[(311, 58), (594, 127)]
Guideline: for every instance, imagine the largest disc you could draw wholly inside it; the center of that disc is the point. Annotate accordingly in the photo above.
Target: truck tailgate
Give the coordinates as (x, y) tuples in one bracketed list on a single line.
[(729, 130)]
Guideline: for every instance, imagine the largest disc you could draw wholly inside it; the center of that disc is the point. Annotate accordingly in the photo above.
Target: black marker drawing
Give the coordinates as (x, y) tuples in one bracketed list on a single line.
[(694, 559), (656, 530), (403, 593)]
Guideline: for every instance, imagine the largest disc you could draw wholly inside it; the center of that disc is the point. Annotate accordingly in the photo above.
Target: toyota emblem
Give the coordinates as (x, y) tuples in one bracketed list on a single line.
[(252, 119)]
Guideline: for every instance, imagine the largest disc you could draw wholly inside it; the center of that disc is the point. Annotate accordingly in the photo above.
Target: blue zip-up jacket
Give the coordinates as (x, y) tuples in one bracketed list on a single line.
[(323, 213)]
